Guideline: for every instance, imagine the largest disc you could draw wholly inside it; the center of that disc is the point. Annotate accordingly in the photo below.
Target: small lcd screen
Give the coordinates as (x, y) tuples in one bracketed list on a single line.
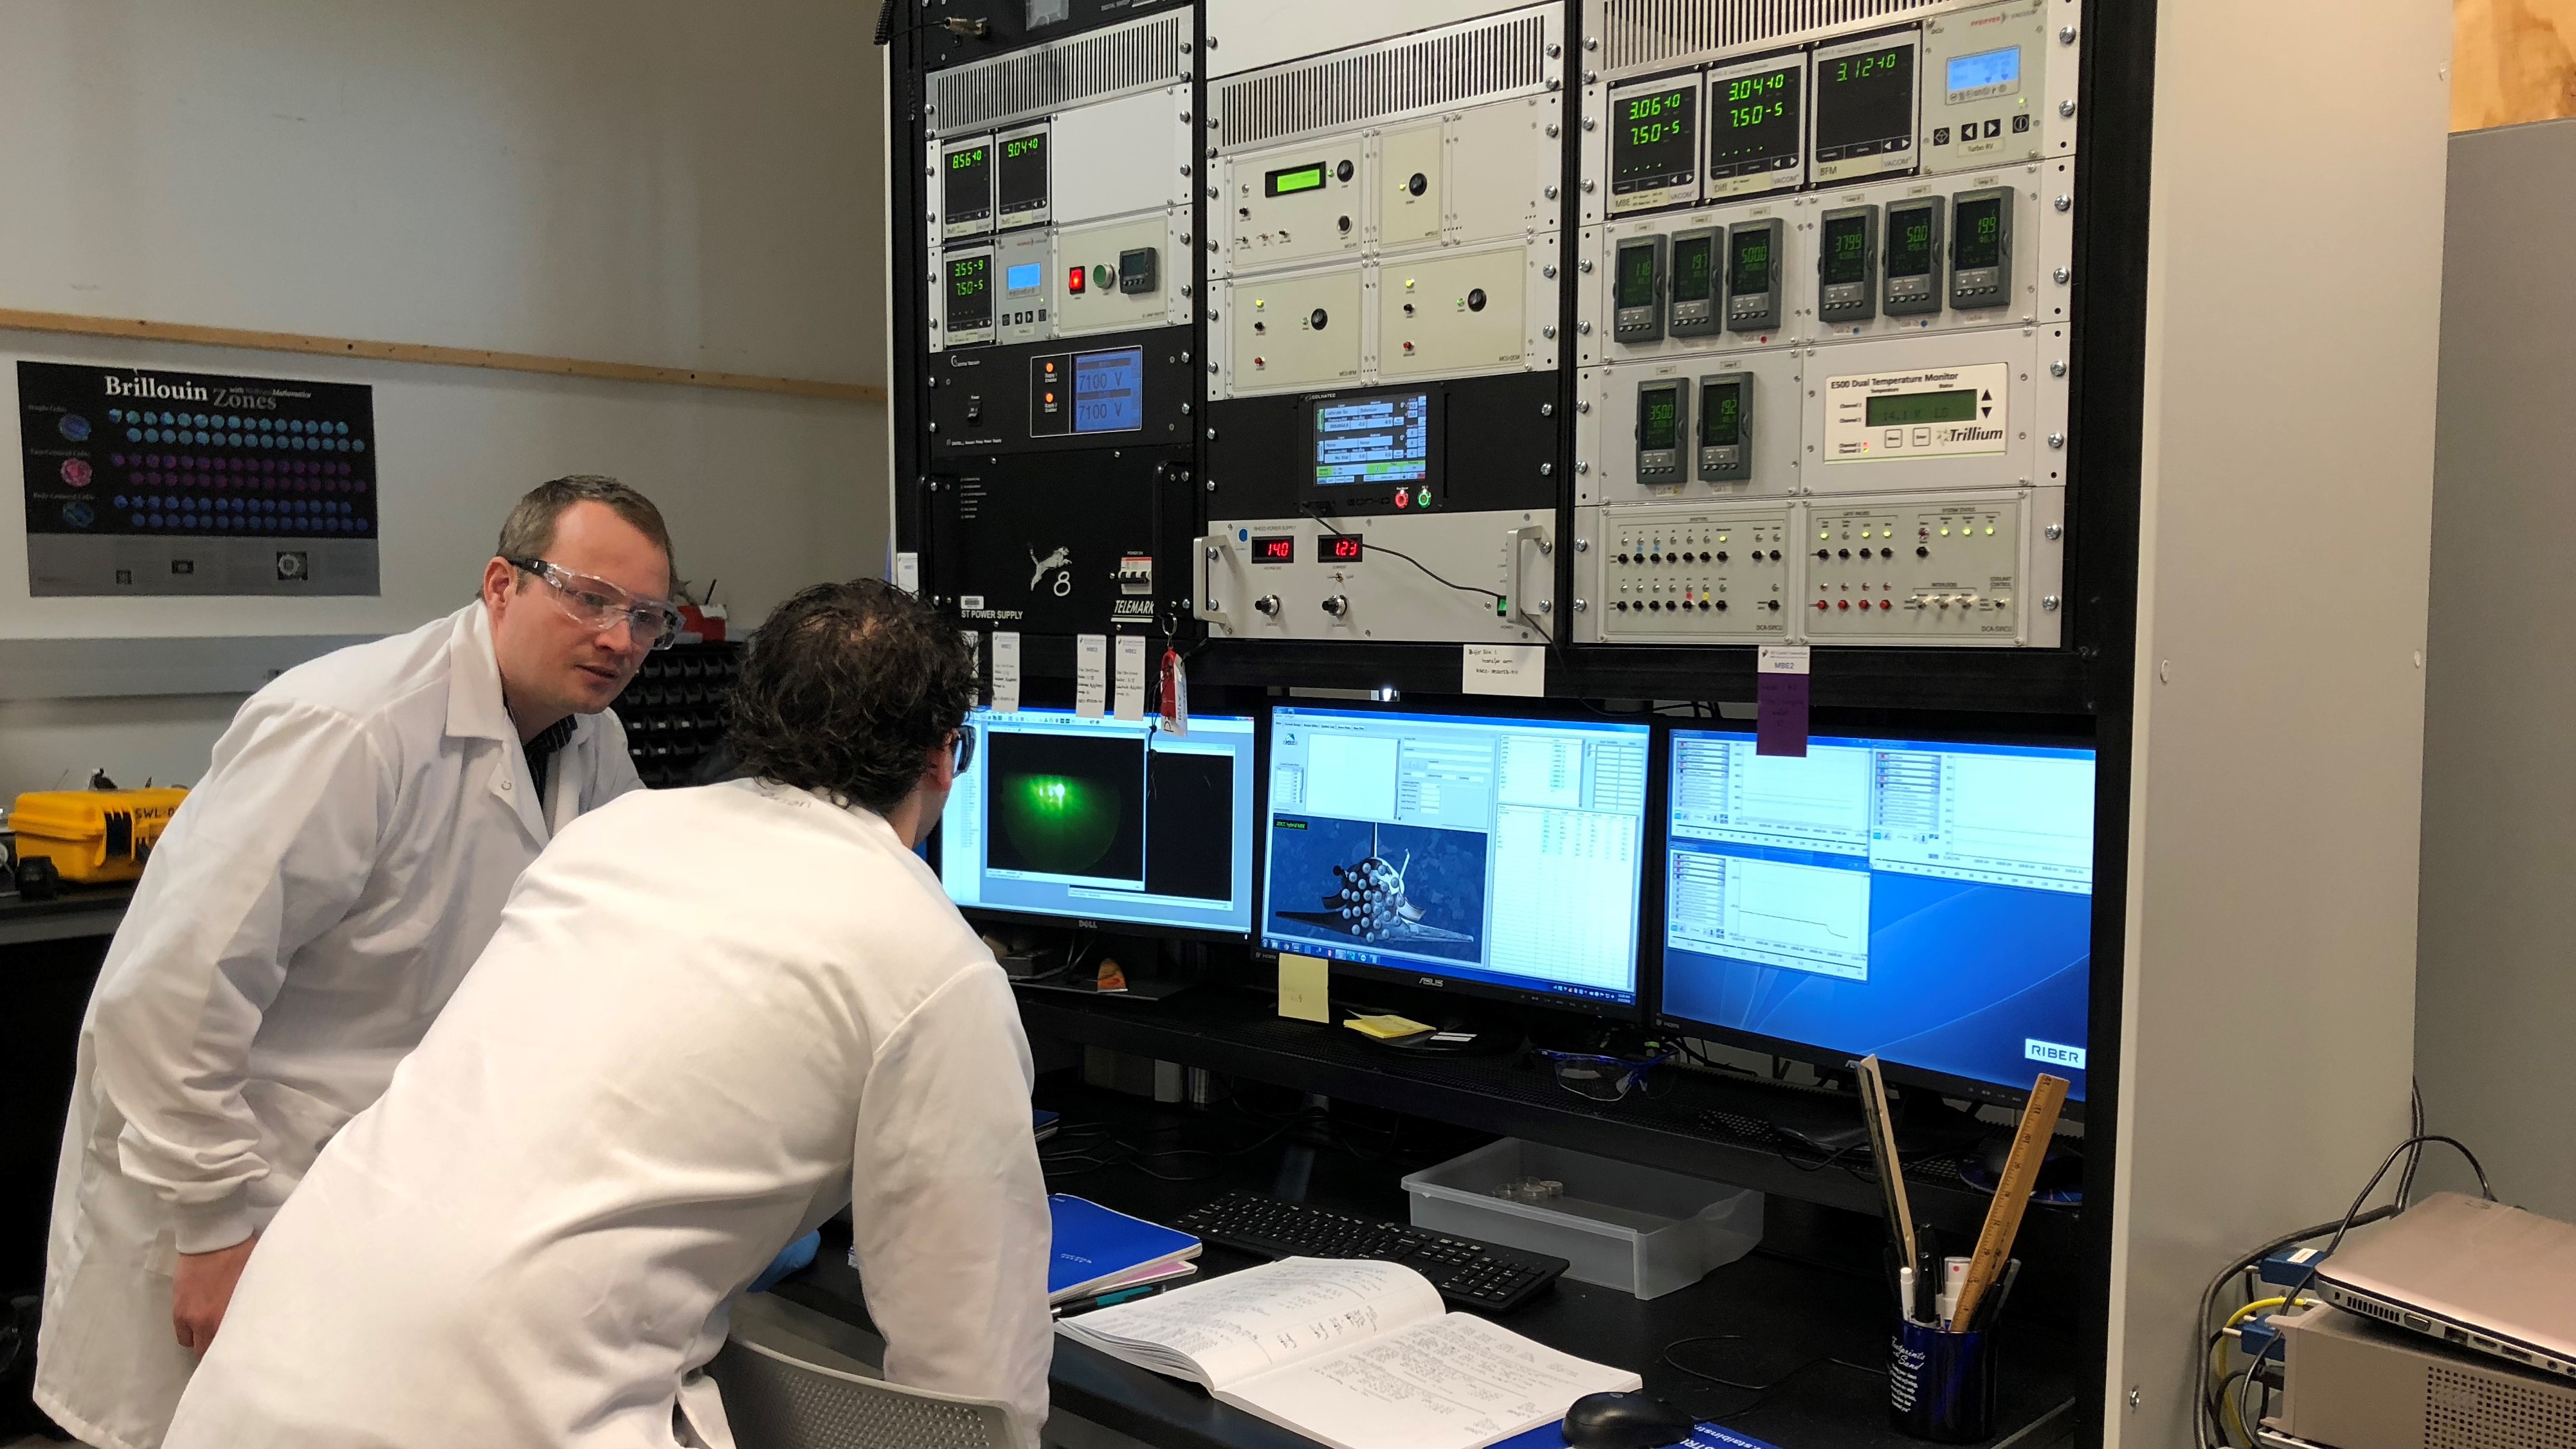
[(1981, 234), (1340, 548), (1721, 414), (1846, 258), (1109, 391), (1909, 242), (1865, 102), (1022, 179), (1754, 125), (1294, 179), (1987, 73), (1384, 439), (1749, 261), (1636, 274), (968, 193), (1274, 550), (1659, 418), (1902, 409), (1024, 277), (1049, 12), (1651, 145), (1694, 267), (970, 292)]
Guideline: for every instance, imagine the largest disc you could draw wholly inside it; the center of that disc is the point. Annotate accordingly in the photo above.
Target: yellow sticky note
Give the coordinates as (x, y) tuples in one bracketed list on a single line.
[(1386, 1028), (1305, 987)]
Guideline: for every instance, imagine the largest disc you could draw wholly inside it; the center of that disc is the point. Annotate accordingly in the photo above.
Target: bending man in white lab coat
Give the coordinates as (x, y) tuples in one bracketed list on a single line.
[(710, 1017), (311, 907)]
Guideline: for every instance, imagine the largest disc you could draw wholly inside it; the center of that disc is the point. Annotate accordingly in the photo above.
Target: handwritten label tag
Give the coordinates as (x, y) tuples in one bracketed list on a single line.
[(1130, 692), (907, 572), (1519, 669), (1091, 675), (1006, 672), (1780, 701)]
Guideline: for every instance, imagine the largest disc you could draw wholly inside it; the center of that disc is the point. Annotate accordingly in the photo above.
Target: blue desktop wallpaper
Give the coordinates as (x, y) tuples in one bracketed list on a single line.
[(1961, 977)]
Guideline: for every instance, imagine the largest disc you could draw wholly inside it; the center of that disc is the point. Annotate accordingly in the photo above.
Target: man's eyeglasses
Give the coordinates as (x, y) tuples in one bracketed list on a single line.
[(597, 604), (962, 747)]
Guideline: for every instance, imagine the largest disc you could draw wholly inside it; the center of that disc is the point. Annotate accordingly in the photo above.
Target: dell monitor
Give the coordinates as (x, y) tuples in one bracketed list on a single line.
[(1109, 822), (1497, 856), (1930, 902)]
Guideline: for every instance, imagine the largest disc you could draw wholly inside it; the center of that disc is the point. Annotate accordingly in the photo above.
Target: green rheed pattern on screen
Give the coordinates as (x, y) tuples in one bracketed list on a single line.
[(1061, 825)]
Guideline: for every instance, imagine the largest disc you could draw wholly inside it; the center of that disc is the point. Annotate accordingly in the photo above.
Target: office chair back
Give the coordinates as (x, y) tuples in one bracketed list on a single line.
[(775, 1401)]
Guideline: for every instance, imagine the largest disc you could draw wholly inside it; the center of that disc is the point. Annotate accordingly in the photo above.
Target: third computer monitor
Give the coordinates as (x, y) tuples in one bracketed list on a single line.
[(1109, 821), (1494, 855), (1930, 902)]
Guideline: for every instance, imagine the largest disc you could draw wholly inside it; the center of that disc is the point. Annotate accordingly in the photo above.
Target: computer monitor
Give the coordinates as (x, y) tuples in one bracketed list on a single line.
[(1119, 823), (1927, 901), (1495, 855)]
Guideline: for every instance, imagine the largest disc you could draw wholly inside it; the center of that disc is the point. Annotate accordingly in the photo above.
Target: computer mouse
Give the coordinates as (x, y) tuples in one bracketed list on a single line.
[(1624, 1421)]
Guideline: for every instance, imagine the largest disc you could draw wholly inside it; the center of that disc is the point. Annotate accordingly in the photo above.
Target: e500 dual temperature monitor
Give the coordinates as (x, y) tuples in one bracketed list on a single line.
[(1927, 901), (1495, 855), (1112, 821)]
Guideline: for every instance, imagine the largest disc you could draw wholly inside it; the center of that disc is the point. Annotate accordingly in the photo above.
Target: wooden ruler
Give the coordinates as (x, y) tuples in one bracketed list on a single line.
[(2012, 1195)]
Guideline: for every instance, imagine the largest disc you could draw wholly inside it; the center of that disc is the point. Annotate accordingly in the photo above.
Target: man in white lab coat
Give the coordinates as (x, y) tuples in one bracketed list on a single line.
[(709, 1018), (311, 907)]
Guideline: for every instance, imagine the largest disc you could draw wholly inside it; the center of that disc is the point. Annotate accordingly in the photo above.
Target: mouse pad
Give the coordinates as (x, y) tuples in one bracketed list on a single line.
[(1706, 1436)]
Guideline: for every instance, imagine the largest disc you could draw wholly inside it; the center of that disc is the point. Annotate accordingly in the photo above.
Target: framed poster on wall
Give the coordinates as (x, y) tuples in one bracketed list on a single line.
[(160, 483)]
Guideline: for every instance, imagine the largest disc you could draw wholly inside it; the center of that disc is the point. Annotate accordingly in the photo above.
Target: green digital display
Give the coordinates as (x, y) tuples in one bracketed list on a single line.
[(1754, 122), (967, 159), (970, 292), (1654, 143), (968, 193), (1846, 255), (1636, 275), (1865, 102), (1721, 414), (969, 275), (1023, 146), (1749, 261), (1906, 409), (1293, 180), (1909, 242), (1981, 230), (1694, 267), (1659, 418)]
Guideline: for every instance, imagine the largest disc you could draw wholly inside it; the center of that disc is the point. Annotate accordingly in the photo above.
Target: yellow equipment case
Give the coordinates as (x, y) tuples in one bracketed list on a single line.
[(93, 836)]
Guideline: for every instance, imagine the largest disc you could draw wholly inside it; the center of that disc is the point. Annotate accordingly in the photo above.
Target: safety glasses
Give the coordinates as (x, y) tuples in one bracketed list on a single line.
[(1602, 1078), (597, 604)]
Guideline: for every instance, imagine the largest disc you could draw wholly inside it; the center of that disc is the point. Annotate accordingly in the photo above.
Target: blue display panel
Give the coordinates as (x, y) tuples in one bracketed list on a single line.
[(1987, 73), (1109, 391), (1104, 820), (1927, 902), (1373, 440), (1498, 853)]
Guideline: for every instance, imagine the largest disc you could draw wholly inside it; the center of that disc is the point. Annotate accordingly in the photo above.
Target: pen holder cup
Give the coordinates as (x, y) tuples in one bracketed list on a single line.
[(1941, 1386)]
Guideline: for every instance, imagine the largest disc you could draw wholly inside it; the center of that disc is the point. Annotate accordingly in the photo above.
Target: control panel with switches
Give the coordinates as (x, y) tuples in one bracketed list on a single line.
[(1684, 574), (1920, 570), (1373, 578)]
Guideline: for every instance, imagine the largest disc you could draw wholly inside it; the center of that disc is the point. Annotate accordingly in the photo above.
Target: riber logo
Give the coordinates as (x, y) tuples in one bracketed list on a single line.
[(144, 384)]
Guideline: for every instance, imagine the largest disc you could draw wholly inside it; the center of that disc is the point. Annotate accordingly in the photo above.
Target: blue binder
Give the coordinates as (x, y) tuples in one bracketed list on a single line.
[(1094, 1245)]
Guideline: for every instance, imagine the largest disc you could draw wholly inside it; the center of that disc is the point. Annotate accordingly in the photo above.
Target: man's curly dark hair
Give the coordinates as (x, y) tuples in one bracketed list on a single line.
[(846, 691)]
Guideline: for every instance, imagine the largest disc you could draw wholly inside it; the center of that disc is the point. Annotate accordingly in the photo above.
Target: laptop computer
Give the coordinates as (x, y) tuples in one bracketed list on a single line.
[(2469, 1272)]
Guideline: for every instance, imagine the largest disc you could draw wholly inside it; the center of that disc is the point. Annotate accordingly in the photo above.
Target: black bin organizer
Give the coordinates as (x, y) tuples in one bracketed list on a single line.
[(674, 708)]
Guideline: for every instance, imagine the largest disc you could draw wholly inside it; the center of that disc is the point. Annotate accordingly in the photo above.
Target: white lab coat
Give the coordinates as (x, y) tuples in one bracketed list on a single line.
[(312, 905), (709, 1018)]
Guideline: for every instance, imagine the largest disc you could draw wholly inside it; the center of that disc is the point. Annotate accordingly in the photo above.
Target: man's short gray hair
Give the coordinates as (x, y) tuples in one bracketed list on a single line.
[(530, 529)]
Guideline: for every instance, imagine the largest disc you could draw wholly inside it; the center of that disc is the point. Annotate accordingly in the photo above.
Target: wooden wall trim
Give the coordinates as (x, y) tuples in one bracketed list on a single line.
[(413, 352)]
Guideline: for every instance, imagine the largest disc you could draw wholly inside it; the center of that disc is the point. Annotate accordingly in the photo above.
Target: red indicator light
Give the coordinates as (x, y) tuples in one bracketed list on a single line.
[(1073, 280)]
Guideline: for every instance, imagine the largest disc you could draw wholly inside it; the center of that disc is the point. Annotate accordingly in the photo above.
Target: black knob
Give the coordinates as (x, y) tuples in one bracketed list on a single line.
[(1775, 555), (1846, 553), (1418, 185), (1703, 606), (1921, 552), (1820, 553), (1346, 224), (1476, 299), (1721, 555), (1772, 604), (1343, 171), (1317, 319), (1864, 553), (1721, 606)]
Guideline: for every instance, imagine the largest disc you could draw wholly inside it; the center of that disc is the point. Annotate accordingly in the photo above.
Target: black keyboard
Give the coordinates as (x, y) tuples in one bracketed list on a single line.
[(1469, 1274)]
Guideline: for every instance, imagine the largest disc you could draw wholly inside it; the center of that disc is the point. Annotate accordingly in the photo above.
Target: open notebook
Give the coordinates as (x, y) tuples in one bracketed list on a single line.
[(1354, 1353)]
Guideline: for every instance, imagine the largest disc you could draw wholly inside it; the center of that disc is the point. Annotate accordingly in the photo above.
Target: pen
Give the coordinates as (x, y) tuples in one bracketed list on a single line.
[(1106, 1300)]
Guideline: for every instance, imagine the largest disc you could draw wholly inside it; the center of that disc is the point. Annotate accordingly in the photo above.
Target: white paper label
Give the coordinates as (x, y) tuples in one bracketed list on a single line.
[(1503, 669), (1783, 659), (907, 572), (1091, 675), (974, 651), (1006, 672), (1130, 694)]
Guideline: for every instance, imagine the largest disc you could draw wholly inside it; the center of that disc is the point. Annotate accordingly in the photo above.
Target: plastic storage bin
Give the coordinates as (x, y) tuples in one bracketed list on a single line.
[(1637, 1229)]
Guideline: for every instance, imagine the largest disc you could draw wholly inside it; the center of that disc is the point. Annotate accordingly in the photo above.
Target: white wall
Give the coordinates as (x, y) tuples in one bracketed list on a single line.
[(639, 181), (2496, 991), (2288, 464)]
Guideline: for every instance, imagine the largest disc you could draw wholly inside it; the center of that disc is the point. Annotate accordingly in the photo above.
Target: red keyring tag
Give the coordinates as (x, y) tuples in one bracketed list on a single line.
[(1176, 695)]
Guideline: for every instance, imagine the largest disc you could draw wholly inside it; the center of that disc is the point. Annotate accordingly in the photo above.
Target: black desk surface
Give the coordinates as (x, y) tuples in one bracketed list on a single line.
[(1789, 1310)]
